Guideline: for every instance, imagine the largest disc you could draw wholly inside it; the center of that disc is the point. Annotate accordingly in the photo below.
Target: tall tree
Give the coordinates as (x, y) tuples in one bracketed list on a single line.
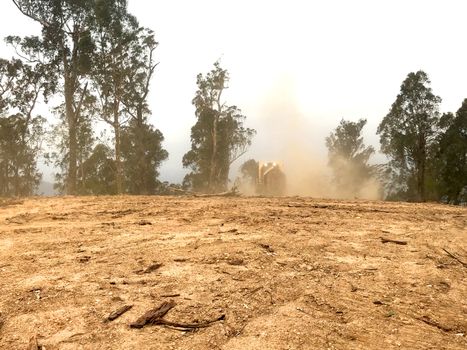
[(117, 29), (249, 171), (408, 131), (218, 138), (85, 143), (141, 143), (348, 157), (98, 172), (20, 130), (142, 153), (450, 166), (65, 46)]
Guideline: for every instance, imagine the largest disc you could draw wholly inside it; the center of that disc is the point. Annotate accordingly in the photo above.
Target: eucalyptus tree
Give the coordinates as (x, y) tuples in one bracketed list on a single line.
[(21, 130), (450, 164), (408, 131), (218, 137), (66, 47), (349, 156)]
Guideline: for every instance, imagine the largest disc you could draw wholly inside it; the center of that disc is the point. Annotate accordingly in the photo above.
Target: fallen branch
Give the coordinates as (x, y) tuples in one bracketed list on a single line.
[(432, 323), (455, 258), (119, 312), (179, 190), (156, 317), (153, 315), (189, 326), (232, 193), (388, 240)]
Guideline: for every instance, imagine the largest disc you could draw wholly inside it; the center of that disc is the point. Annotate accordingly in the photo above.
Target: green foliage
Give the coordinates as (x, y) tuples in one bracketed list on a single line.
[(66, 47), (20, 130), (218, 138), (85, 141), (249, 171), (19, 149), (121, 75), (348, 157), (142, 155), (450, 164), (97, 173), (407, 133)]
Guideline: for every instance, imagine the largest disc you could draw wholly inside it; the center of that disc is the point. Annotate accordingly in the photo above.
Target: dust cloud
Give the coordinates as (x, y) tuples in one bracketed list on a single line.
[(297, 141)]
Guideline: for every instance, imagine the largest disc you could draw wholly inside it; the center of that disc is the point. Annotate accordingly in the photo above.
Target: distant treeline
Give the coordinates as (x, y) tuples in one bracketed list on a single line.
[(96, 63), (427, 151), (94, 58)]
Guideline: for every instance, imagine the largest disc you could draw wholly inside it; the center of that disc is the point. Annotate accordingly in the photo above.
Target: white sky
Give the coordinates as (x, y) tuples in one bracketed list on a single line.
[(305, 63)]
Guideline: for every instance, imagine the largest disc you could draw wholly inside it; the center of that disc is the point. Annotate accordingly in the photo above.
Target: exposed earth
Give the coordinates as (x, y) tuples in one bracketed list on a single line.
[(287, 273)]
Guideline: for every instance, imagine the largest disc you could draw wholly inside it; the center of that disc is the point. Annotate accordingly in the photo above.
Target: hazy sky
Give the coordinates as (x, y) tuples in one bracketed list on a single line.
[(299, 66)]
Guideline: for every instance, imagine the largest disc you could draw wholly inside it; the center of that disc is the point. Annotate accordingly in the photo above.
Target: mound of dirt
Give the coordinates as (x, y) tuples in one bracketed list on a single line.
[(237, 273)]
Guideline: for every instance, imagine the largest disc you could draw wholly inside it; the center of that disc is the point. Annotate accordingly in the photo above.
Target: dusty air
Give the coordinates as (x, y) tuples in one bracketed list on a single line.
[(233, 175)]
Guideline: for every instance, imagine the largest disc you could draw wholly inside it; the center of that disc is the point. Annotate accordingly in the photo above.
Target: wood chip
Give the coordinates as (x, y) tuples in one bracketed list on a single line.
[(388, 240), (144, 222), (170, 295), (153, 267), (235, 262), (267, 247), (119, 312), (150, 268)]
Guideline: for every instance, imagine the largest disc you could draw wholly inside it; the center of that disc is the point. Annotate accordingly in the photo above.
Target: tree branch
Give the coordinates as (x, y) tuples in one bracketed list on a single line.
[(42, 22)]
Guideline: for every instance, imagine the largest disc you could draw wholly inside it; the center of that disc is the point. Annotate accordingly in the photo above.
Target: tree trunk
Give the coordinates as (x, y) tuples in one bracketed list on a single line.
[(72, 140), (16, 181), (118, 162), (421, 168), (422, 181), (212, 169)]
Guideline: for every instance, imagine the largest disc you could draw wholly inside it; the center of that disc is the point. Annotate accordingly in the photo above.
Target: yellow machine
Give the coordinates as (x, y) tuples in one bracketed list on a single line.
[(271, 179)]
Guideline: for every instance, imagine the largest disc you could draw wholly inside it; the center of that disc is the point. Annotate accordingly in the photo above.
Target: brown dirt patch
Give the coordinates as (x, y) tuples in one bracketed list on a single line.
[(288, 273)]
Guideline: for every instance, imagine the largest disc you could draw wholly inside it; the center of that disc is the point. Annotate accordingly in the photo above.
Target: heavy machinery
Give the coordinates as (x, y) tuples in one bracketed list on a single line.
[(271, 179)]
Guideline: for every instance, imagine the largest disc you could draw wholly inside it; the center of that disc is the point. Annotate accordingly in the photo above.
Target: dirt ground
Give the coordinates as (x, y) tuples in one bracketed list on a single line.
[(287, 273)]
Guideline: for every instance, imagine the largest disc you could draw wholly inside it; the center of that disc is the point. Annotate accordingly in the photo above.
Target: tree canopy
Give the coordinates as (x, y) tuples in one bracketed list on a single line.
[(407, 133), (348, 157), (218, 138)]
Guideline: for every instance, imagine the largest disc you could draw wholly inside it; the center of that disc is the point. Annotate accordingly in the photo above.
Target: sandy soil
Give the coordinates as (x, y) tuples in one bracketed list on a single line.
[(287, 273)]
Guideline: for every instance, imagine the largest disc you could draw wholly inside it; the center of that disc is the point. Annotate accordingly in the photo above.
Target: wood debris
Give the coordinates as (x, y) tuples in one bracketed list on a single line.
[(432, 323), (235, 262), (395, 241), (144, 222), (232, 193), (455, 258), (267, 247), (150, 268), (119, 312), (156, 317)]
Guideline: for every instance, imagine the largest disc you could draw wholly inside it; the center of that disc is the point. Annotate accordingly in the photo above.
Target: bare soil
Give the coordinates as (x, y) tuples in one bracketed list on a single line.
[(287, 273)]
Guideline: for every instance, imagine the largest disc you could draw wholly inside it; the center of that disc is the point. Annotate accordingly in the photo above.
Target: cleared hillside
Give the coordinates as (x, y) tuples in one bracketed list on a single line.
[(287, 273)]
